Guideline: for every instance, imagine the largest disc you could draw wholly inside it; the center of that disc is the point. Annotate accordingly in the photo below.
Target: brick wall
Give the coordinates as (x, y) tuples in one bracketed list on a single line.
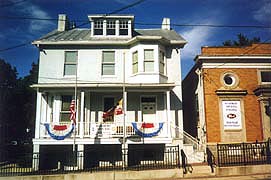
[(248, 81), (254, 49)]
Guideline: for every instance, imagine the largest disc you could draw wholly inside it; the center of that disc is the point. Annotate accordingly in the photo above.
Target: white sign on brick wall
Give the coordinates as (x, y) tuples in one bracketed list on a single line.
[(231, 111)]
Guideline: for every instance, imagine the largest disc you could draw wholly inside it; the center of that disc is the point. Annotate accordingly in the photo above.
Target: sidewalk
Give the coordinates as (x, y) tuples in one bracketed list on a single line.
[(240, 177)]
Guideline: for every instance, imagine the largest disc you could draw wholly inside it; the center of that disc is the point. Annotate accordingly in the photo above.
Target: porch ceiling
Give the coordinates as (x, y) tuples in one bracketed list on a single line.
[(106, 86)]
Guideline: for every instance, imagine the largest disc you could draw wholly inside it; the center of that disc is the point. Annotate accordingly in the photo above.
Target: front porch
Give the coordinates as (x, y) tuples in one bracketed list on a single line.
[(155, 105)]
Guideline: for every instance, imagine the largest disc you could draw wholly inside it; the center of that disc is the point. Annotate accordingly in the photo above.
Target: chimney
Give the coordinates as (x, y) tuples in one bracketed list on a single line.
[(63, 23), (166, 24)]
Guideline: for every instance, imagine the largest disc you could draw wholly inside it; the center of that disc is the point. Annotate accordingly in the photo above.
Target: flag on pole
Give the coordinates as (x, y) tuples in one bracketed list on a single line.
[(115, 110), (72, 110), (119, 108)]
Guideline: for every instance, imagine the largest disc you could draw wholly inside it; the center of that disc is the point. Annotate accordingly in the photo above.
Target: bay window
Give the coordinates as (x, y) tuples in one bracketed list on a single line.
[(148, 60)]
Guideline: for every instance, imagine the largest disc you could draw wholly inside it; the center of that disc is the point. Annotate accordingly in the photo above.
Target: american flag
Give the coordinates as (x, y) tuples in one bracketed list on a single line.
[(72, 110)]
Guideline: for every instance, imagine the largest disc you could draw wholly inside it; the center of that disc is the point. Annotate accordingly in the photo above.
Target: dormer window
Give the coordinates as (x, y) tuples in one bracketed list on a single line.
[(111, 27), (98, 27), (123, 27)]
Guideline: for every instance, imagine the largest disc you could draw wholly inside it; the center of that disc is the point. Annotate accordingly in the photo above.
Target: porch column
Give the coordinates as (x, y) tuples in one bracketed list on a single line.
[(36, 156), (82, 115), (124, 143), (80, 156), (169, 120), (38, 115)]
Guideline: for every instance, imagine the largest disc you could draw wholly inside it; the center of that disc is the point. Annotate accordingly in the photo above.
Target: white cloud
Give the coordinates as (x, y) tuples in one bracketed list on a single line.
[(28, 9), (263, 14), (196, 37)]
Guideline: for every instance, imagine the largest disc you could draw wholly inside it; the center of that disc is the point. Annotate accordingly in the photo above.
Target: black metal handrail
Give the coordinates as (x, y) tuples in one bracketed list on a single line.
[(244, 153), (185, 165), (137, 159)]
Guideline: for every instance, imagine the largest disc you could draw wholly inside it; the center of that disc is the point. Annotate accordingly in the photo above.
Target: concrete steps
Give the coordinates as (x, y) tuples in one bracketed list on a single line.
[(193, 156)]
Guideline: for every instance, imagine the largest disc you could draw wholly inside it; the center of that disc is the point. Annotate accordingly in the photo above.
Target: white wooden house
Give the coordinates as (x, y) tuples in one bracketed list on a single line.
[(106, 63)]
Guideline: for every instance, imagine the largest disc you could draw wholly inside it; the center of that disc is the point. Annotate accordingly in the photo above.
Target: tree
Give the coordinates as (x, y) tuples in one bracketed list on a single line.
[(8, 83), (242, 40), (29, 99)]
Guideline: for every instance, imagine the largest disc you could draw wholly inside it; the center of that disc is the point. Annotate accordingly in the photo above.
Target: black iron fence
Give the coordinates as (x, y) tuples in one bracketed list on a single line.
[(132, 159), (244, 153)]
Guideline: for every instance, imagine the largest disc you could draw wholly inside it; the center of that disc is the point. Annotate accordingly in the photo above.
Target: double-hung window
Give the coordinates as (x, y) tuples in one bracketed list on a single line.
[(98, 27), (123, 27), (162, 64), (108, 63), (70, 63), (135, 62), (148, 60), (265, 77), (110, 28)]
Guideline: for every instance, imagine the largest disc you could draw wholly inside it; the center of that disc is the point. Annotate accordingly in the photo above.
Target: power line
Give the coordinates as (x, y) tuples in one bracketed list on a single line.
[(33, 18), (16, 46), (126, 7), (145, 24), (12, 4)]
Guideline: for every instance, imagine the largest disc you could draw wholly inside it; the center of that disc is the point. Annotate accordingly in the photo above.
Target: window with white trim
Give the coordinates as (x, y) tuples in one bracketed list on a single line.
[(98, 27), (265, 77), (148, 60), (108, 63), (123, 27), (162, 63), (70, 63), (110, 27), (135, 62)]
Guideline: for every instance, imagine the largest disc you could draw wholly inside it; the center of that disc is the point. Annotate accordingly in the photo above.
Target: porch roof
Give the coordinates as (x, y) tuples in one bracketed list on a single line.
[(109, 86)]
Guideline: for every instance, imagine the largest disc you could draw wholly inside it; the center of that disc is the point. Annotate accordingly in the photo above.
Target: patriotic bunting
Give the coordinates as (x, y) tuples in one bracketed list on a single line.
[(147, 129), (60, 132)]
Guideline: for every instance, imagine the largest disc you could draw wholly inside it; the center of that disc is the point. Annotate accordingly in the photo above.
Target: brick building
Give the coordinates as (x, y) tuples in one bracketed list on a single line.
[(227, 93)]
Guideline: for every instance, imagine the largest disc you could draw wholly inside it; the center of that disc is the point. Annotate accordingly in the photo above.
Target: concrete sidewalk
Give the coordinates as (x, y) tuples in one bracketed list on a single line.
[(200, 172), (240, 177)]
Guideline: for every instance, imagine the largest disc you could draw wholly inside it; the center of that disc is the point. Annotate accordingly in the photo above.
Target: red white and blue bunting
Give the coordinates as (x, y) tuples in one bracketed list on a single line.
[(59, 132), (147, 129)]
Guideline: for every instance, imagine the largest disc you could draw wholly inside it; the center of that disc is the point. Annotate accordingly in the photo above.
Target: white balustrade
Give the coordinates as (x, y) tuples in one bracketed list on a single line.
[(102, 130)]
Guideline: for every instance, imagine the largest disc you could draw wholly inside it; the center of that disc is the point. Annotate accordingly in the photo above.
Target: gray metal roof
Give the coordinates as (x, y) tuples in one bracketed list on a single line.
[(167, 34), (77, 35)]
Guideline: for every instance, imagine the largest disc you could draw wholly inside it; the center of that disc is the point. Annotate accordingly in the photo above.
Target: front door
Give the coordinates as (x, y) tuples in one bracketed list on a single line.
[(148, 105)]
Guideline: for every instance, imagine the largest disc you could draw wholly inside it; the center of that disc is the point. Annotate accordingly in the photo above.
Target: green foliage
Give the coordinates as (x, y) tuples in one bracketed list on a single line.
[(242, 40), (17, 103)]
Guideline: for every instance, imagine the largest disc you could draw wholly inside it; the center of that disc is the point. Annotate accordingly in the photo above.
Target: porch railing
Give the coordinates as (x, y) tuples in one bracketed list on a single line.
[(103, 130)]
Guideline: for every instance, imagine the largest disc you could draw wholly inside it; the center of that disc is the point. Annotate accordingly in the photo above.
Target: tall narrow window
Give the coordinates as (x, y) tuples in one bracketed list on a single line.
[(123, 27), (65, 108), (111, 28), (135, 62), (148, 60), (70, 63), (162, 64), (98, 27), (108, 63)]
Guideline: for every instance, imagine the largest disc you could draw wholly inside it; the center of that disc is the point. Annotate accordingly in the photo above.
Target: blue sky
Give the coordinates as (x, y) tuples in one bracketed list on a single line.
[(215, 12)]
